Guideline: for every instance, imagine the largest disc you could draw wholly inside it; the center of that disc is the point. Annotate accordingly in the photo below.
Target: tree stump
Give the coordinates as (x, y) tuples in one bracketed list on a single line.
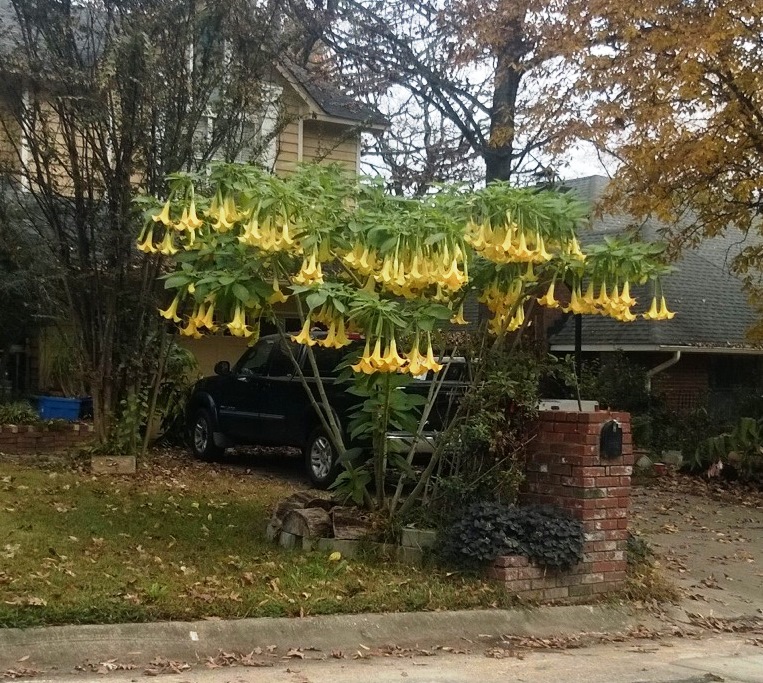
[(349, 524), (308, 523)]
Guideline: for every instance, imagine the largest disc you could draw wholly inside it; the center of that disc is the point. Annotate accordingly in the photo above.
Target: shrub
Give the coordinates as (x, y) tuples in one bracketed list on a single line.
[(18, 413), (740, 450), (545, 535)]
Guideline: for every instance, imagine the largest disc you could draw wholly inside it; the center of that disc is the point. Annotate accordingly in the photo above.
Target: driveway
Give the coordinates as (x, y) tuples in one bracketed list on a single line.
[(709, 539)]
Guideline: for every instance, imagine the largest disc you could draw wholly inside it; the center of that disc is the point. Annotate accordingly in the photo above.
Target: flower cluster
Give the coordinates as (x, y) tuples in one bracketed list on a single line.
[(615, 303), (510, 243), (411, 269), (408, 261), (413, 362), (336, 337)]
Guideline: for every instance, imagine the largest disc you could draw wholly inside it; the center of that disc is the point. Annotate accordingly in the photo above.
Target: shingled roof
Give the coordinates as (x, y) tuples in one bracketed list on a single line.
[(331, 101), (713, 311)]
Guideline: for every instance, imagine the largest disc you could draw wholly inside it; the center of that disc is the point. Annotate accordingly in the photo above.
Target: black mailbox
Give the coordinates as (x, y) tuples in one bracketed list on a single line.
[(611, 441)]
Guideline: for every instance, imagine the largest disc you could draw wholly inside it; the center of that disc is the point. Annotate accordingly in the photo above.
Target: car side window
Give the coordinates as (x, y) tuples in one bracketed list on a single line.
[(255, 362), (280, 361)]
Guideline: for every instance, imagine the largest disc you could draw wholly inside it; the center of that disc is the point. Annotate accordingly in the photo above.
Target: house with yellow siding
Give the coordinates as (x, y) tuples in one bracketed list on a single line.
[(308, 120), (321, 125)]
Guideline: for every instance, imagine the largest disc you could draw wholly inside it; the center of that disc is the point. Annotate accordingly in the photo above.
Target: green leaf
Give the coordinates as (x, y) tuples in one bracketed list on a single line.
[(177, 280), (316, 299), (439, 311), (241, 292)]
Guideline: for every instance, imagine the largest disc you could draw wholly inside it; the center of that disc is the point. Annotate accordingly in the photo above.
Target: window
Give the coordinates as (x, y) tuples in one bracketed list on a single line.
[(255, 361), (280, 363)]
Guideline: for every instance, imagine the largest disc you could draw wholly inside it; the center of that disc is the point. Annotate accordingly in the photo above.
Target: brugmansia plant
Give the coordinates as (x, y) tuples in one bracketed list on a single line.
[(351, 258)]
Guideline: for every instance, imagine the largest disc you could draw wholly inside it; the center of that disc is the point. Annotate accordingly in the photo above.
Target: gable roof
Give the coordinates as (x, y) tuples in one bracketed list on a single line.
[(329, 100), (713, 310)]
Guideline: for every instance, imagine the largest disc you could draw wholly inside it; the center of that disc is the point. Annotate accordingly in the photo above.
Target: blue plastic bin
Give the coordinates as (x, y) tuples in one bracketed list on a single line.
[(58, 408)]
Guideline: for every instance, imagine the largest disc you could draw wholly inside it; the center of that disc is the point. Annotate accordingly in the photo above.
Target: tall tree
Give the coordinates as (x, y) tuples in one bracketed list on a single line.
[(107, 96), (489, 69), (676, 95)]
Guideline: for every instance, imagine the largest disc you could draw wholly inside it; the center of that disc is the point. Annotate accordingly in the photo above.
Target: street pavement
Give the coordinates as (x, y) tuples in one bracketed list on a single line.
[(730, 658)]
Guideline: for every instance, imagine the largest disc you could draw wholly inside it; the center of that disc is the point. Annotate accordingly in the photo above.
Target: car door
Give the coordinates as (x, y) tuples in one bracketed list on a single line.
[(244, 397), (286, 396)]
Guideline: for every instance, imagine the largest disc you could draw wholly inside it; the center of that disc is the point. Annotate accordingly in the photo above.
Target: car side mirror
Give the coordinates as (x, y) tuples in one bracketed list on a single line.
[(222, 367)]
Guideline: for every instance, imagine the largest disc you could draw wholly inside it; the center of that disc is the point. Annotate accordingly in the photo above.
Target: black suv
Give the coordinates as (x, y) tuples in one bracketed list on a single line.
[(261, 401)]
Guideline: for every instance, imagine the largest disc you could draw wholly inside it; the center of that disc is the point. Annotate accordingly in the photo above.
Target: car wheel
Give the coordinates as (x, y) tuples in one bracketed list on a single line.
[(202, 437), (320, 459)]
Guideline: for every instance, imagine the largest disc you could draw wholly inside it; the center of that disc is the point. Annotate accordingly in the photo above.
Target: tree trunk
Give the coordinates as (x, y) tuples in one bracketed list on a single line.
[(499, 157)]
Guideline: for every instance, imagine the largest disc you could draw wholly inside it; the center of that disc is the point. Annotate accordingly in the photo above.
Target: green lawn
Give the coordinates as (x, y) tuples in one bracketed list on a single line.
[(182, 540)]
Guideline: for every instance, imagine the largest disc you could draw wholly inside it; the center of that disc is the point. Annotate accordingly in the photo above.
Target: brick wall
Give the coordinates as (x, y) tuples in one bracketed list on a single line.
[(42, 438), (684, 385), (564, 469)]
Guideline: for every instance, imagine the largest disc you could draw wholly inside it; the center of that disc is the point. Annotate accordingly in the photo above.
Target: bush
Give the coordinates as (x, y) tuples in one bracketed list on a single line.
[(18, 413), (740, 451), (545, 535), (483, 458)]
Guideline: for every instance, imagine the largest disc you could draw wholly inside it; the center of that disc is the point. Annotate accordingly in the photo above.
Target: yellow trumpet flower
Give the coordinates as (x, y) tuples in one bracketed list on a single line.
[(167, 246), (392, 360), (517, 320), (522, 252), (453, 278), (340, 338), (286, 237), (664, 313), (277, 297), (588, 297), (209, 318), (429, 362), (367, 262), (415, 360), (541, 255), (198, 315), (652, 313), (304, 336), (353, 257), (238, 326), (224, 221), (193, 221), (171, 313), (626, 297), (182, 224), (548, 299), (147, 245), (458, 318), (364, 364), (626, 316), (576, 305), (375, 359), (574, 249), (385, 275), (190, 330), (163, 216), (603, 299), (328, 340)]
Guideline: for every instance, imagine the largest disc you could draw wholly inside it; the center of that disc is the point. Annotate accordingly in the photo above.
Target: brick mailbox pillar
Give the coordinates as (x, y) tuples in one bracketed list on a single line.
[(565, 468)]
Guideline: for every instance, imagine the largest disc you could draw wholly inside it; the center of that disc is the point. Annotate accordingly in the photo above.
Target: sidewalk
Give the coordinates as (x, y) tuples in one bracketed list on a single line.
[(66, 647)]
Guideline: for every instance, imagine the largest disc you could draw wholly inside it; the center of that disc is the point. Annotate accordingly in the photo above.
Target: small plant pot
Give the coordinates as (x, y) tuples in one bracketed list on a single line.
[(660, 469)]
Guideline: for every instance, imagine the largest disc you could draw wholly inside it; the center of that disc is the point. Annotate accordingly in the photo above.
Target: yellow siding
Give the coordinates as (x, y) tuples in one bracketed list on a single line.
[(209, 350), (9, 137), (288, 148), (293, 108), (331, 143)]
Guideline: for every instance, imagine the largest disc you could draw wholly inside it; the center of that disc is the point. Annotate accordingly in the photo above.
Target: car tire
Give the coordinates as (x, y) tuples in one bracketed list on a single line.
[(321, 460), (202, 436)]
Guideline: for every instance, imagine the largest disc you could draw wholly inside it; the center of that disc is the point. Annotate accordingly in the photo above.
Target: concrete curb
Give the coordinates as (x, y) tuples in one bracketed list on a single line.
[(64, 647)]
